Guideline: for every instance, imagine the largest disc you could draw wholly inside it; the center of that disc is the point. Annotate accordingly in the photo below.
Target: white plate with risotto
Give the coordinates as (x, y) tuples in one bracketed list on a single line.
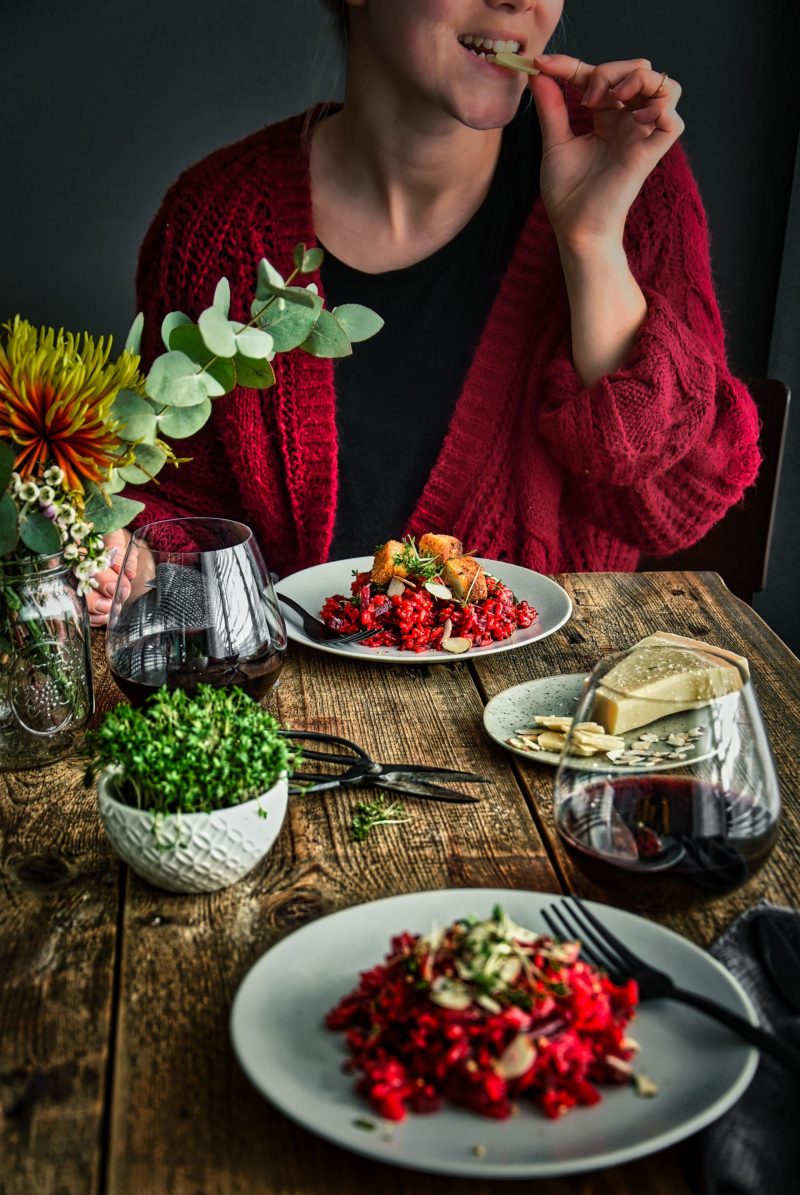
[(312, 586)]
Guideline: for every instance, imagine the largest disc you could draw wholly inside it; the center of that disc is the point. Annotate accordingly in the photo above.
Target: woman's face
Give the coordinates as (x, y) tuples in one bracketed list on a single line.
[(425, 51)]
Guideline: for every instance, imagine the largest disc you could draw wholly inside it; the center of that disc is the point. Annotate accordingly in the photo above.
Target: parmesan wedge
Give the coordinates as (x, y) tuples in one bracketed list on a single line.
[(514, 62)]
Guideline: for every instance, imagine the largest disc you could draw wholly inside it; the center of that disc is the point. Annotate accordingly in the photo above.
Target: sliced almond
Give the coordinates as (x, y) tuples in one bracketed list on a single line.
[(645, 1087), (395, 587), (447, 629), (456, 644), (517, 1058), (439, 591)]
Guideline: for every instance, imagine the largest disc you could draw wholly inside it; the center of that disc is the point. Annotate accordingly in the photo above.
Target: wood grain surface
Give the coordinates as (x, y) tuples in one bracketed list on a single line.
[(116, 1070)]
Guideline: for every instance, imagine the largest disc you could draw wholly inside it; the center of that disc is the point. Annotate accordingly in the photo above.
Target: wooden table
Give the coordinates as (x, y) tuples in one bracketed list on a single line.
[(116, 1070)]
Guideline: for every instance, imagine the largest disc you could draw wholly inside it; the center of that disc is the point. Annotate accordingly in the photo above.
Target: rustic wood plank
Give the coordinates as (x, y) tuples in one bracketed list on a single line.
[(58, 916), (184, 1117), (612, 611)]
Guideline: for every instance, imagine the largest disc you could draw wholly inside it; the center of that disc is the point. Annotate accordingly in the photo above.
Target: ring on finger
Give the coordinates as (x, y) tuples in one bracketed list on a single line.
[(574, 74), (659, 91)]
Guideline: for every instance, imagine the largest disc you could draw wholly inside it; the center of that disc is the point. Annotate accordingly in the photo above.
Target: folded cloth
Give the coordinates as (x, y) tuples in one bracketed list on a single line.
[(755, 1148)]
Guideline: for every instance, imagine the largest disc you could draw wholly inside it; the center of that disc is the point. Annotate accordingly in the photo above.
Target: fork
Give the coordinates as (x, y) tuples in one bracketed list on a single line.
[(571, 918), (316, 629)]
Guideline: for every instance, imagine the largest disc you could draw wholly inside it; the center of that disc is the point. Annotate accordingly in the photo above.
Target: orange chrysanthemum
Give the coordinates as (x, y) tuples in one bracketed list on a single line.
[(56, 394)]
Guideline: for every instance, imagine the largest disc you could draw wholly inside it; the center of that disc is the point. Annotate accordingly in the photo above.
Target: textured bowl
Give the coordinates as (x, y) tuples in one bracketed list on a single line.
[(193, 852)]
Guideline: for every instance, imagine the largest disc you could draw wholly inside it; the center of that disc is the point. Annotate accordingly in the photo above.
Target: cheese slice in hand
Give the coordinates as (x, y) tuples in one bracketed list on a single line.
[(514, 62), (665, 674)]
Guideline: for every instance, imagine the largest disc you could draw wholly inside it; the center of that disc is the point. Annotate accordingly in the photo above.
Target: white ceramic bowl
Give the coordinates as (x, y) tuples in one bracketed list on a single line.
[(193, 852)]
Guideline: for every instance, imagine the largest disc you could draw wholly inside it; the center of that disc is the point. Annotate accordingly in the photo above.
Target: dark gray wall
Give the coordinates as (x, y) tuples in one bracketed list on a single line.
[(103, 103)]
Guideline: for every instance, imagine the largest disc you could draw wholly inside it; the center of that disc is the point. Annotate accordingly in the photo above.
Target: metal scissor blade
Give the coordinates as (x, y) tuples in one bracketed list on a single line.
[(422, 769), (414, 786)]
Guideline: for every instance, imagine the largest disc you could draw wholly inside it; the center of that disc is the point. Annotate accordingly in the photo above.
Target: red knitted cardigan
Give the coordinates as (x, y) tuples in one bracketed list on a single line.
[(535, 468)]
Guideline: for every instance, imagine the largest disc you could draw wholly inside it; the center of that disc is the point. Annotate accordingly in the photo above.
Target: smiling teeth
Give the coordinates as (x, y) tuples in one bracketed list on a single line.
[(486, 45)]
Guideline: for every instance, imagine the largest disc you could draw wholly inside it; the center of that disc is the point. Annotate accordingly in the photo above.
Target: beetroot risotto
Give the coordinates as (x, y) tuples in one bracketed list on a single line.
[(427, 598), (482, 1014)]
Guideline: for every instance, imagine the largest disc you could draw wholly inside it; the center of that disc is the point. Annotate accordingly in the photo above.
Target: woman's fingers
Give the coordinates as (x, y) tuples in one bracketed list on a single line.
[(631, 82)]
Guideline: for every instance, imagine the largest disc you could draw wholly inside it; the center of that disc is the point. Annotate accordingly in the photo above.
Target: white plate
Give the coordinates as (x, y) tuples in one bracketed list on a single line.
[(514, 709), (282, 1044), (313, 585)]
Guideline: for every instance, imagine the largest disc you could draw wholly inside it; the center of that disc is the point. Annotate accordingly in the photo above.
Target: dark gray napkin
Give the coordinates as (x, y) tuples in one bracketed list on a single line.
[(755, 1148)]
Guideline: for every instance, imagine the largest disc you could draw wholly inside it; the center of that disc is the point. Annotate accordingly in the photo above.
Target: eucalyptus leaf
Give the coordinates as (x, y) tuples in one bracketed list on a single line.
[(133, 340), (149, 460), (291, 294), (328, 338), (115, 483), (268, 279), (179, 422), (312, 260), (174, 381), (290, 327), (217, 333), (359, 322), (222, 296), (7, 458), (136, 415), (257, 374), (188, 340), (9, 524), (39, 534), (250, 342), (174, 319), (298, 253), (110, 517)]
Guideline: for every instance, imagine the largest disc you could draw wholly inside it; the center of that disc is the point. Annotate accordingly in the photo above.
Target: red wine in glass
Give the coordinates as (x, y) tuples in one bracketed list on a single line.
[(664, 827)]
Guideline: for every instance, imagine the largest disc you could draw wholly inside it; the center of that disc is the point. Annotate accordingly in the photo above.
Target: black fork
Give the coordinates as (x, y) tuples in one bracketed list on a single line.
[(570, 918), (316, 629)]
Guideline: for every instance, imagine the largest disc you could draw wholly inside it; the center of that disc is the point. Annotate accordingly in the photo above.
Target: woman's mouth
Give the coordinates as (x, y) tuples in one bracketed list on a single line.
[(487, 47)]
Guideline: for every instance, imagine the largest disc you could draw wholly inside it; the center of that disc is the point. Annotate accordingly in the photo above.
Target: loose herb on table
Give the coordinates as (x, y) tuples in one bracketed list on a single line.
[(368, 814)]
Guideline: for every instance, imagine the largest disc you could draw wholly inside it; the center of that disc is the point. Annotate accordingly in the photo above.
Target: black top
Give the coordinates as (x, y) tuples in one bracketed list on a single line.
[(396, 394)]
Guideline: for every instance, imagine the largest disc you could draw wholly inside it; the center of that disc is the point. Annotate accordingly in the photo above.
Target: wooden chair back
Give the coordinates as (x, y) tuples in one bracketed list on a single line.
[(738, 546)]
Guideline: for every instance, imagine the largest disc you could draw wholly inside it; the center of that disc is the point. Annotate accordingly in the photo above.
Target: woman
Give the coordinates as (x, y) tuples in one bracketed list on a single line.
[(550, 385)]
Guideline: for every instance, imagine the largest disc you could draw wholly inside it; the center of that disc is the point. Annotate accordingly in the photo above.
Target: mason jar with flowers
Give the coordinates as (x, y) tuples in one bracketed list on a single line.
[(76, 428)]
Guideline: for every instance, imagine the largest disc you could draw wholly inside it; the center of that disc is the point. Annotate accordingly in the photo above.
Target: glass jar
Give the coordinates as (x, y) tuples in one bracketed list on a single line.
[(46, 695)]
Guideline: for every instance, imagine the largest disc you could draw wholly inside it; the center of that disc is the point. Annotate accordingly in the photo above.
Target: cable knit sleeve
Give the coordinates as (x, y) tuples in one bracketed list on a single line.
[(660, 449)]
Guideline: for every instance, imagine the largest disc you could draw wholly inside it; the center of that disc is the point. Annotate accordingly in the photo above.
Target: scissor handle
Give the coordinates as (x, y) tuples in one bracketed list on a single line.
[(319, 736)]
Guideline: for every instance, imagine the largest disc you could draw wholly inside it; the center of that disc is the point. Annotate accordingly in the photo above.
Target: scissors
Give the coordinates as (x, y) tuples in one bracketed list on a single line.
[(411, 779)]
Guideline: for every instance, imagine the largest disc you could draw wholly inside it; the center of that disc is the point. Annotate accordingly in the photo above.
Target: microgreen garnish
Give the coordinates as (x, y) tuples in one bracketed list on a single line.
[(182, 754), (368, 814), (428, 567)]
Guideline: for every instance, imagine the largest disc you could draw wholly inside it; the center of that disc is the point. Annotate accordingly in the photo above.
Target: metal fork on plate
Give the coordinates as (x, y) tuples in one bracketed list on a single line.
[(571, 918), (318, 631)]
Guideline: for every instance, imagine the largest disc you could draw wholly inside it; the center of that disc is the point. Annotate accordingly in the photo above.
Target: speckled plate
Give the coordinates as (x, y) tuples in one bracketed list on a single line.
[(515, 708)]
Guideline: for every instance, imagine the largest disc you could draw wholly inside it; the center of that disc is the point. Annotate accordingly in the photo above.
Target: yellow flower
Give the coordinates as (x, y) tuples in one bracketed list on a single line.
[(56, 394)]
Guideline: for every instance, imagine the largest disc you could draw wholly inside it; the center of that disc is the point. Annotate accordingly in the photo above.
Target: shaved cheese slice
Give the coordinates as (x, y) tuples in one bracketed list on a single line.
[(514, 62)]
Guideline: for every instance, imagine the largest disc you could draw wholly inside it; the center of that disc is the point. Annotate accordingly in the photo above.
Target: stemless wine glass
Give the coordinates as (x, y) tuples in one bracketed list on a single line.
[(194, 603), (689, 799)]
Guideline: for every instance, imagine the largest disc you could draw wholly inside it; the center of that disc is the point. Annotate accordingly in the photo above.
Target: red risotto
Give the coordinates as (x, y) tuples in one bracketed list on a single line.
[(417, 620), (483, 1014)]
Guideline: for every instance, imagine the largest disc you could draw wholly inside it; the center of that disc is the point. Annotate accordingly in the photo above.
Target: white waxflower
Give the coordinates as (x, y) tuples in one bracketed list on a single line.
[(66, 515), (29, 491), (54, 475), (79, 530), (46, 494), (71, 552), (85, 570), (87, 584)]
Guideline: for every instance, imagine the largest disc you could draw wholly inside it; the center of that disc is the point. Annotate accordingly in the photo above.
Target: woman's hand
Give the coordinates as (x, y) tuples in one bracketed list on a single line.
[(98, 600), (589, 182)]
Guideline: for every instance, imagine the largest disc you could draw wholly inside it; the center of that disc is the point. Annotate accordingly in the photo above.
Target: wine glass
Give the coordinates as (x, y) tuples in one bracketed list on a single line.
[(194, 603), (688, 799)]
